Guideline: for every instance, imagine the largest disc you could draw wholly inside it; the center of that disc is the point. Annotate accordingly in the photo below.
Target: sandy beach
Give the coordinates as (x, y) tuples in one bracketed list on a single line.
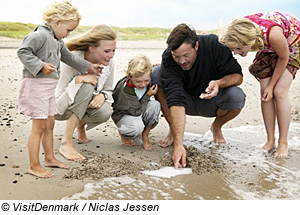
[(105, 146)]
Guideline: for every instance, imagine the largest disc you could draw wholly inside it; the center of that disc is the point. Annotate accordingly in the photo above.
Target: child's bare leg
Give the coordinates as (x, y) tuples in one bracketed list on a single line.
[(82, 133), (269, 117), (126, 141), (35, 168), (268, 112), (67, 148), (145, 138), (283, 107), (47, 140)]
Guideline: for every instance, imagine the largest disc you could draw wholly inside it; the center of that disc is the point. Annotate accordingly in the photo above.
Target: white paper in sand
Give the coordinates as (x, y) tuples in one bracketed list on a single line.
[(168, 172)]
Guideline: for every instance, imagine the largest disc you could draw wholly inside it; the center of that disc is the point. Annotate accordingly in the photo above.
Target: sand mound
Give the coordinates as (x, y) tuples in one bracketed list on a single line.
[(103, 166), (198, 161), (100, 166)]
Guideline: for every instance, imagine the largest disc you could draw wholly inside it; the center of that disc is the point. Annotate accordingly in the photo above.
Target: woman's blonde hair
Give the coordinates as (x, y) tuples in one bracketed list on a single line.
[(92, 37), (62, 10), (138, 66), (242, 32)]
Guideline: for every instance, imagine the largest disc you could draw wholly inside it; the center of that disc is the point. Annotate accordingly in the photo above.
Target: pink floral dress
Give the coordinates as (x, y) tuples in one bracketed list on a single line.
[(264, 64)]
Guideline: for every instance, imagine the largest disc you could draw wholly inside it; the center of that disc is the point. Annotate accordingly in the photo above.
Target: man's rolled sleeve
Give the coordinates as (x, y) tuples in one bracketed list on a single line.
[(173, 87)]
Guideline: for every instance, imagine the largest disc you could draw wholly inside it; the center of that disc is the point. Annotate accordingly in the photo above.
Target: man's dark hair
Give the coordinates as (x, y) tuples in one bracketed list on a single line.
[(182, 33)]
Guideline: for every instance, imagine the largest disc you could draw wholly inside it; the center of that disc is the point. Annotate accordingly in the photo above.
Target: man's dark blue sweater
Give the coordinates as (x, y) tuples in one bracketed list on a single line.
[(213, 62)]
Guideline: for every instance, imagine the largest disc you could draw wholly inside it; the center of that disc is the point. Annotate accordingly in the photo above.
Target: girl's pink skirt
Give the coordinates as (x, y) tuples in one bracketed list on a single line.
[(37, 97)]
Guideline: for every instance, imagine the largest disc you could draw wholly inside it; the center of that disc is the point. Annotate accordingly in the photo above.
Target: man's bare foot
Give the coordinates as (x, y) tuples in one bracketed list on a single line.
[(56, 164), (269, 145), (167, 141), (217, 134), (40, 172), (126, 141), (70, 153), (82, 138), (282, 150)]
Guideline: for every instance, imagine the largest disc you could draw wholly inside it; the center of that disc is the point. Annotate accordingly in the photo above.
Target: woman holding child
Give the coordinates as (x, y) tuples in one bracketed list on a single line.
[(86, 99)]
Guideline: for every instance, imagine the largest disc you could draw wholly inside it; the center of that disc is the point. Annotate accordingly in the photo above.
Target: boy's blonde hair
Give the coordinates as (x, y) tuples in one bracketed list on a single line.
[(138, 66), (62, 10), (242, 32), (92, 37)]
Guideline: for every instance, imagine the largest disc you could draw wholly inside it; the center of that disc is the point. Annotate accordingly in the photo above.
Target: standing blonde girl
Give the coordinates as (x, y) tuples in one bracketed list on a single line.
[(276, 36), (41, 52), (133, 111), (86, 99)]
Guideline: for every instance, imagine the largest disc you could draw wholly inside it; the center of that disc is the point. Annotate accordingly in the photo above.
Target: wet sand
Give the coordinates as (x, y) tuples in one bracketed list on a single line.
[(130, 161)]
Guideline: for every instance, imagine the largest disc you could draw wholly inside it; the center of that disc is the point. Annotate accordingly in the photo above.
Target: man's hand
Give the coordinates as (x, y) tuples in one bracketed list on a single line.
[(179, 157), (227, 81), (48, 68), (95, 69), (211, 91)]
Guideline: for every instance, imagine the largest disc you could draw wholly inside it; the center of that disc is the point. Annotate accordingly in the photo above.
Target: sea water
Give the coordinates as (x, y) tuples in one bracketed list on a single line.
[(251, 173)]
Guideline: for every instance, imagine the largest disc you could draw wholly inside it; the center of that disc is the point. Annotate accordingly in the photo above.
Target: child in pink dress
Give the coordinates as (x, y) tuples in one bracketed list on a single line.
[(276, 37), (41, 52)]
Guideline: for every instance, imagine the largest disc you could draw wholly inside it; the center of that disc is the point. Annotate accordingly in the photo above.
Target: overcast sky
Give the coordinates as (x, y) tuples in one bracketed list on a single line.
[(202, 14)]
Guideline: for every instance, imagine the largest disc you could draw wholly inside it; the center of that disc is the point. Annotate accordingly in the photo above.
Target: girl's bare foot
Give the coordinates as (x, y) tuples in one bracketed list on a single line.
[(217, 134), (282, 150), (269, 145), (56, 164), (40, 172), (167, 141), (70, 153)]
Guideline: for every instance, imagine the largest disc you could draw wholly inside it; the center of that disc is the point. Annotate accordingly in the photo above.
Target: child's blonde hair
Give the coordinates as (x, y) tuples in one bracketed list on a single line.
[(242, 32), (63, 10), (138, 66), (92, 37)]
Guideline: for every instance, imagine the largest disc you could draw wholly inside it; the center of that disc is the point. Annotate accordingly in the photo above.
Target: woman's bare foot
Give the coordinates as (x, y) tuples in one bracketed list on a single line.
[(82, 138), (126, 141), (56, 164), (70, 153), (269, 145), (40, 172), (217, 134), (167, 141), (282, 150)]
